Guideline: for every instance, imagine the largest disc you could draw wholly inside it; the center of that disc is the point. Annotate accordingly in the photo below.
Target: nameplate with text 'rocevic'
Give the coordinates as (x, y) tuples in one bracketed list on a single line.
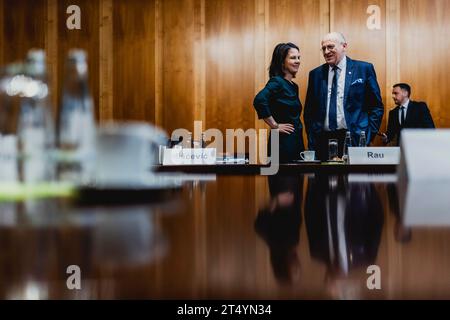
[(374, 155), (186, 156)]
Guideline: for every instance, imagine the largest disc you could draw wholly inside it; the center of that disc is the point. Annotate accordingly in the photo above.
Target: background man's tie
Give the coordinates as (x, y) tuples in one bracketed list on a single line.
[(402, 116)]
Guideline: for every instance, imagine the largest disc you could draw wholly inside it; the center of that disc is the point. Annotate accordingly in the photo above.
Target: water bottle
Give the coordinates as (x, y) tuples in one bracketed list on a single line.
[(77, 128), (35, 127), (189, 142), (347, 144), (362, 139), (9, 112), (203, 141)]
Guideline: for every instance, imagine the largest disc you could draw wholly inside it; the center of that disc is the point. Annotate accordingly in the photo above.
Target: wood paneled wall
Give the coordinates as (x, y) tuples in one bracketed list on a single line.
[(423, 50), (350, 17), (171, 62), (134, 64), (87, 38)]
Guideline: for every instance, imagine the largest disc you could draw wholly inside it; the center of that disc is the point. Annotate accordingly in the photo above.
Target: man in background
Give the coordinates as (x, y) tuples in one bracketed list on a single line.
[(406, 114)]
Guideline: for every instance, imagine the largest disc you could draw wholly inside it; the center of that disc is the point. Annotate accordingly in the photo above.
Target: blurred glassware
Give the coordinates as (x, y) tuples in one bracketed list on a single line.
[(76, 121), (203, 140), (189, 142), (9, 110), (347, 144), (332, 149), (36, 131), (362, 139), (26, 122)]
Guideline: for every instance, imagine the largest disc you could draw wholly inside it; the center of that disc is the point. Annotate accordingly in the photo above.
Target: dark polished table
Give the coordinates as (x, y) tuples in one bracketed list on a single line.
[(302, 234), (288, 168)]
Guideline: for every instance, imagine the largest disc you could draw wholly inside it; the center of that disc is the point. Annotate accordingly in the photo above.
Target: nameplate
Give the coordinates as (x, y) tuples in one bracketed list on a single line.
[(425, 154), (189, 156), (374, 155)]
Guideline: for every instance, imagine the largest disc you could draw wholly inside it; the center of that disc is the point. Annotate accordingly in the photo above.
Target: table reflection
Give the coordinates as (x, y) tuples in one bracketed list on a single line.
[(232, 237), (344, 222), (41, 238), (279, 225), (402, 233)]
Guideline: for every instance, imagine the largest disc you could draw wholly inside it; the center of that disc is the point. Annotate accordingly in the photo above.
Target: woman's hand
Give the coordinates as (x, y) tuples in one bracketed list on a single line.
[(286, 128)]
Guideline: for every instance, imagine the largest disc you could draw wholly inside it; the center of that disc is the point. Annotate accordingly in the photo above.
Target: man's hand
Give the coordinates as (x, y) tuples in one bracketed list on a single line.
[(384, 138)]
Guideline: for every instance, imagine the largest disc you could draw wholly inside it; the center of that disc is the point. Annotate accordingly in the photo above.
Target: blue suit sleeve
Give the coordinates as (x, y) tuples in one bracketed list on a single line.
[(263, 98), (374, 104), (311, 104)]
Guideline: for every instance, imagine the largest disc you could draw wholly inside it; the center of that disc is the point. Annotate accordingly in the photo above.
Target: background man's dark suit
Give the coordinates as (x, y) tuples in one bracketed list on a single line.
[(363, 107), (417, 116)]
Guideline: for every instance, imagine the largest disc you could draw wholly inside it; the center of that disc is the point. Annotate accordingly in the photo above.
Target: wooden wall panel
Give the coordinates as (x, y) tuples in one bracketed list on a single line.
[(178, 64), (298, 22), (230, 64), (175, 61), (424, 46), (24, 27), (106, 64), (87, 38), (51, 47), (392, 49), (159, 39), (134, 63), (350, 18), (2, 43)]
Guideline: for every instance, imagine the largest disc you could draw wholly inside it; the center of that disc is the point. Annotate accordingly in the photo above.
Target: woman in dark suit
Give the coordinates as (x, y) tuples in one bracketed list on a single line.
[(279, 103)]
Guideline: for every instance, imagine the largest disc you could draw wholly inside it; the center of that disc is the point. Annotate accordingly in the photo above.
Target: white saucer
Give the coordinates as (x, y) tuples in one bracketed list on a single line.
[(307, 161)]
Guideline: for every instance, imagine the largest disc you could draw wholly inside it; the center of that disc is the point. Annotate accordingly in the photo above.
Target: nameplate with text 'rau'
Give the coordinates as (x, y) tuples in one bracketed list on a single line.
[(374, 155), (186, 156)]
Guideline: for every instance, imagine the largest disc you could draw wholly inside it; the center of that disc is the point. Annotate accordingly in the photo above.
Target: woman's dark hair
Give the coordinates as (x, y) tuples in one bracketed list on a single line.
[(279, 55)]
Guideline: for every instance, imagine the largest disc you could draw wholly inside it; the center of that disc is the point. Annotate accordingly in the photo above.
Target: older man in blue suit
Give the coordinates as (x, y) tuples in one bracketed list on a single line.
[(343, 95)]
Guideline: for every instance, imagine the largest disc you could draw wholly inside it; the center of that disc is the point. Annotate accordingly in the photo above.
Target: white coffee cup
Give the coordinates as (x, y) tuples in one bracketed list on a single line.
[(126, 152), (308, 155)]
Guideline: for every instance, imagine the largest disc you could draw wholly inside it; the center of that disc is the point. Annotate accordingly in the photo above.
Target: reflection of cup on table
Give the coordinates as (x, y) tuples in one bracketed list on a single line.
[(308, 155), (332, 149), (126, 236)]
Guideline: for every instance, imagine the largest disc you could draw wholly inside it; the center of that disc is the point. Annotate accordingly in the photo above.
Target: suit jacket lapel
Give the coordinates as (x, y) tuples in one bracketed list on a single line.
[(397, 117), (348, 79), (409, 113)]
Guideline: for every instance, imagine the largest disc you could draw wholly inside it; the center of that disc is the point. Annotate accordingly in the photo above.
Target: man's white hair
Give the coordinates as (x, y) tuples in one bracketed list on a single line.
[(334, 36)]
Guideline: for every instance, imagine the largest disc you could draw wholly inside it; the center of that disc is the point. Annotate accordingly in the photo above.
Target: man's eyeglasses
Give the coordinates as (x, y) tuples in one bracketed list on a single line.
[(330, 47)]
